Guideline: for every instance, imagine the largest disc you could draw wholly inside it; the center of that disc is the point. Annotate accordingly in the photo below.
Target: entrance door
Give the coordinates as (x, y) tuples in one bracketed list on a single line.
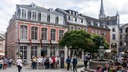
[(43, 53)]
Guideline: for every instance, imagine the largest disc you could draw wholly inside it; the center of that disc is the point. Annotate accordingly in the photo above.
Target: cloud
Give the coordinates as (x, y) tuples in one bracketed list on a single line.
[(88, 7)]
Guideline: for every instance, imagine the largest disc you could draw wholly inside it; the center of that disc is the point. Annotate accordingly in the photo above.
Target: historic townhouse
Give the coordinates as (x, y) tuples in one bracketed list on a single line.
[(35, 31), (123, 38), (113, 24), (74, 21), (2, 44), (95, 27)]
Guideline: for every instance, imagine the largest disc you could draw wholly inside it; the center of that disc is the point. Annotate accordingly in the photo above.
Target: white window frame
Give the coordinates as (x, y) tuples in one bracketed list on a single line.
[(25, 14), (23, 32), (44, 16), (52, 18), (35, 17), (60, 20)]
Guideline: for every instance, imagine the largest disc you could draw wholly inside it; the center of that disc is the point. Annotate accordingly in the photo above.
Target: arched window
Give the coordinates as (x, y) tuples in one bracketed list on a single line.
[(53, 34), (23, 32), (44, 34), (34, 33)]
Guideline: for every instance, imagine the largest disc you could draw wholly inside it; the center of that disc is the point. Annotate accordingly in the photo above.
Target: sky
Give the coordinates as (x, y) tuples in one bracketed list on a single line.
[(87, 7)]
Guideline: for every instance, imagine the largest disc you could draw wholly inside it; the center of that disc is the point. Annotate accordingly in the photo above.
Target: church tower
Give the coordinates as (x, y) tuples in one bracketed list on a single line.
[(101, 15)]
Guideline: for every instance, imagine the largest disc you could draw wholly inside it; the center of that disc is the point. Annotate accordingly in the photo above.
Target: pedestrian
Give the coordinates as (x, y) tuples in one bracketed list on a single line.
[(68, 60), (19, 64), (98, 68), (10, 62), (34, 63), (74, 62), (106, 68), (5, 63), (86, 59)]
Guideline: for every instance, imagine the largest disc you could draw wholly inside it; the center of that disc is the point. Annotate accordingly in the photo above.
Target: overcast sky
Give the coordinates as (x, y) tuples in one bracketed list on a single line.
[(87, 7)]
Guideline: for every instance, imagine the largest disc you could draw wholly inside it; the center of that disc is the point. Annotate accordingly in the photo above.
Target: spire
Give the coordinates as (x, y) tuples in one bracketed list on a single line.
[(101, 15)]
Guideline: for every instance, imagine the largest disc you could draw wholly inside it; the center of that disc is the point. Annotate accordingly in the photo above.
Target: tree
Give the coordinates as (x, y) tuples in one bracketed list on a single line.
[(79, 40), (98, 40)]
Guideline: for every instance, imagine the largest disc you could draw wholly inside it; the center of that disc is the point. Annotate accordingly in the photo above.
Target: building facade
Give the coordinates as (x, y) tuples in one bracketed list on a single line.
[(2, 44), (35, 31), (123, 38), (112, 22)]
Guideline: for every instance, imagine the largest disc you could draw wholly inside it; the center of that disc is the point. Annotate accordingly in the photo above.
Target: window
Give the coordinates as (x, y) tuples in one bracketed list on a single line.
[(52, 51), (92, 23), (79, 28), (61, 33), (43, 17), (113, 29), (81, 20), (92, 31), (120, 30), (60, 20), (34, 51), (72, 28), (34, 33), (75, 19), (44, 34), (113, 36), (23, 49), (52, 18), (23, 32), (53, 33), (24, 13), (34, 15)]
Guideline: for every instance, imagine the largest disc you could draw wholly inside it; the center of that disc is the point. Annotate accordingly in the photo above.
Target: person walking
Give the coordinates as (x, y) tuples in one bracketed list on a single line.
[(86, 59), (68, 60), (19, 64), (5, 63), (74, 62)]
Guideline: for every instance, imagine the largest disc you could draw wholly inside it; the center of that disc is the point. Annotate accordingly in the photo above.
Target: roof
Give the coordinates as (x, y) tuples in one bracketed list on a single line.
[(2, 36), (39, 9), (95, 22)]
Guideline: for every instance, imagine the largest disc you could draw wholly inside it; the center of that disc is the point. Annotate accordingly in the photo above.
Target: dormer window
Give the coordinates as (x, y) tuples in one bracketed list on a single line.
[(75, 19), (98, 24), (34, 15), (81, 20), (43, 16), (52, 18), (60, 20), (92, 23), (24, 13)]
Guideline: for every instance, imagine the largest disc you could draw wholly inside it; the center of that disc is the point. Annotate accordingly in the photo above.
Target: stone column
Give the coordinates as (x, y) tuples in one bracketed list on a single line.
[(56, 51), (65, 52), (38, 50), (29, 54), (48, 51)]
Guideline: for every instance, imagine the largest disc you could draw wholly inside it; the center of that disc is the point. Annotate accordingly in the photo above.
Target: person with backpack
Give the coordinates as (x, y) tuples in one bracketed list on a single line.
[(68, 60), (74, 62)]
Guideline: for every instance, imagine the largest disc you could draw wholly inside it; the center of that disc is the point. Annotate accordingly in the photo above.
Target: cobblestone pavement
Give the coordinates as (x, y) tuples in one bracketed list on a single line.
[(28, 69)]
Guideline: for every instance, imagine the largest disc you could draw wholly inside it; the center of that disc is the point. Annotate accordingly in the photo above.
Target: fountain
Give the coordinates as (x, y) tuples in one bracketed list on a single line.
[(101, 61)]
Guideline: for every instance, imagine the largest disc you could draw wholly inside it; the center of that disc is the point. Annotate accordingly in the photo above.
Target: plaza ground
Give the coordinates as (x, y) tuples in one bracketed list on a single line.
[(28, 69)]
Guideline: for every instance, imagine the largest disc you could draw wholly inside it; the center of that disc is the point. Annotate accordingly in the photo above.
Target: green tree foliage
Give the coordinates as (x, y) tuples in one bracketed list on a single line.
[(77, 39), (82, 40)]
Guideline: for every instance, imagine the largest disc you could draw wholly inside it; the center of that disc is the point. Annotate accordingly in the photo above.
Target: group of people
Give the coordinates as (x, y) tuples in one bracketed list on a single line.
[(74, 61), (110, 68), (5, 62), (45, 62)]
